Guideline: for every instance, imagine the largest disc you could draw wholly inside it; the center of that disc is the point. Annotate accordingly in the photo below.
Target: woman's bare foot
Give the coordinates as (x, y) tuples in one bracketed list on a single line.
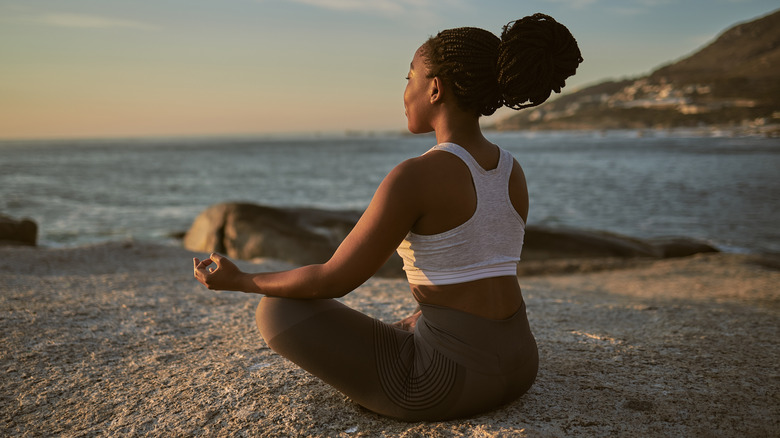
[(409, 322)]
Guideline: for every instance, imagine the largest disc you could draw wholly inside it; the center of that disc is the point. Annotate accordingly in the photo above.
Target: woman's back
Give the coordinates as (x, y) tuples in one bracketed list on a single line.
[(448, 189), (449, 195)]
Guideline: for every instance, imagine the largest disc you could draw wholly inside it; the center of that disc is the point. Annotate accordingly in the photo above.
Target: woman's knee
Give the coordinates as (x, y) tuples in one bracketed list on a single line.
[(261, 311), (264, 316), (275, 315)]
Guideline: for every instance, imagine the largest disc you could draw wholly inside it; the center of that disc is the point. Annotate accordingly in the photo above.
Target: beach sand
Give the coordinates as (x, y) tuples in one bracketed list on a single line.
[(119, 340)]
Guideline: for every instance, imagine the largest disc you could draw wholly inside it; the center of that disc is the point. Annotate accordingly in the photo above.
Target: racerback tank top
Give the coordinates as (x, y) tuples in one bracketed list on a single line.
[(487, 245)]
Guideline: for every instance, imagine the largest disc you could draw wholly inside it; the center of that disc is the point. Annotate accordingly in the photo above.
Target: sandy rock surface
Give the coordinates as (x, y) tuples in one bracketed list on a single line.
[(119, 340)]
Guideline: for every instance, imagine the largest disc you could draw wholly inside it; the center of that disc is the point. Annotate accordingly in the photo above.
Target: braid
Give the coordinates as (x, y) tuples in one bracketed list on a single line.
[(466, 59), (533, 57)]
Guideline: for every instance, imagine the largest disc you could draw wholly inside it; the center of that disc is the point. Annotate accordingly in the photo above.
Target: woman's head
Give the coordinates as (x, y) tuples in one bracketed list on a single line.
[(534, 57)]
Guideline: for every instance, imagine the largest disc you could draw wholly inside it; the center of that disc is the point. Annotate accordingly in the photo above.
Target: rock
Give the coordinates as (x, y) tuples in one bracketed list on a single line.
[(17, 232), (667, 247), (543, 243), (207, 231), (305, 236), (300, 236)]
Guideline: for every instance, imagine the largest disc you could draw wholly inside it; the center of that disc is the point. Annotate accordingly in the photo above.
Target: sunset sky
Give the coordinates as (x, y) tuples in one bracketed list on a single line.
[(127, 68)]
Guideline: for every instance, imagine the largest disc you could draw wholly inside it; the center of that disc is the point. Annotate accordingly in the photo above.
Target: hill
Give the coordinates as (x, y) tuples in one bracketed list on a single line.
[(730, 83)]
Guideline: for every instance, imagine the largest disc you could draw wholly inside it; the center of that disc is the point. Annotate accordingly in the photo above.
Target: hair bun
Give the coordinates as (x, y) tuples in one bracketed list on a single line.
[(535, 57)]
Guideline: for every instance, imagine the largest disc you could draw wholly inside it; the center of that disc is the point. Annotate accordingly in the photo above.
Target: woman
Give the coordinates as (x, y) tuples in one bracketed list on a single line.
[(456, 215)]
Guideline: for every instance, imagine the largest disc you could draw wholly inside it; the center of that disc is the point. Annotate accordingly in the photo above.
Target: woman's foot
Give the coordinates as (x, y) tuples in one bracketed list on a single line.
[(409, 322)]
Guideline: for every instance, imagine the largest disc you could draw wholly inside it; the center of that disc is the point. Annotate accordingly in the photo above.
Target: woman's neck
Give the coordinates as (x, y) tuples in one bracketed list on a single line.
[(461, 129)]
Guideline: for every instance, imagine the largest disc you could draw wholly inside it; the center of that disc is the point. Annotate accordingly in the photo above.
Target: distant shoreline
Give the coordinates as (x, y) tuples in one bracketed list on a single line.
[(769, 131)]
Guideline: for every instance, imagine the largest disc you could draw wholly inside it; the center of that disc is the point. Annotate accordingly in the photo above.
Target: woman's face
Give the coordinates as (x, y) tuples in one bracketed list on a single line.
[(417, 96)]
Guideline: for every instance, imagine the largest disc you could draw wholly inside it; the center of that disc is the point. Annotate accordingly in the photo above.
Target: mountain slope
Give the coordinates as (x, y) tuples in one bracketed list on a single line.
[(748, 50), (732, 82)]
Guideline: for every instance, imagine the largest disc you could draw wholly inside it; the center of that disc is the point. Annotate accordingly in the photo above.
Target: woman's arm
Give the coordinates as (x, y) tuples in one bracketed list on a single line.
[(390, 215)]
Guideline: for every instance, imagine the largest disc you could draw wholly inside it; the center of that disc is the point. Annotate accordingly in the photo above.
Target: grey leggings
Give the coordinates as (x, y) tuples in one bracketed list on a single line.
[(453, 365)]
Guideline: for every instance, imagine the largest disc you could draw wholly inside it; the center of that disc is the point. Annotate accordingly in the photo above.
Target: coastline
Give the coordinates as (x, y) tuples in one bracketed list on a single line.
[(118, 339), (114, 195)]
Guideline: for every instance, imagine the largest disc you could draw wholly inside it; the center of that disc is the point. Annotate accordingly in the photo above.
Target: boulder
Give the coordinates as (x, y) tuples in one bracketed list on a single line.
[(305, 236), (543, 243), (17, 232), (300, 236), (667, 247)]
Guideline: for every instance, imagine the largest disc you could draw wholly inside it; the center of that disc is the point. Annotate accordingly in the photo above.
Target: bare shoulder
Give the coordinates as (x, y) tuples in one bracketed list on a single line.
[(438, 166), (404, 176), (402, 187), (422, 171), (437, 187), (518, 190), (518, 175)]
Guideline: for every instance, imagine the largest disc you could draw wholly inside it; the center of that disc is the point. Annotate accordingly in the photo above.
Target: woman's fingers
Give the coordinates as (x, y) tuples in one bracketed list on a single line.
[(200, 268), (201, 264), (216, 258), (211, 272)]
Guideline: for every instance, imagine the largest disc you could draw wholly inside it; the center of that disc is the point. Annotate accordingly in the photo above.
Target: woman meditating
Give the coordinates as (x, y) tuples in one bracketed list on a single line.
[(456, 215)]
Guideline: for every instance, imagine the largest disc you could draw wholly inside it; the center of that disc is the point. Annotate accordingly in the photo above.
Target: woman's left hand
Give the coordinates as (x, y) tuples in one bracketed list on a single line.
[(225, 275)]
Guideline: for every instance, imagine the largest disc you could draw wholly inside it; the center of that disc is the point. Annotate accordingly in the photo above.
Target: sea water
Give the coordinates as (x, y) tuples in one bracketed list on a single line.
[(724, 190)]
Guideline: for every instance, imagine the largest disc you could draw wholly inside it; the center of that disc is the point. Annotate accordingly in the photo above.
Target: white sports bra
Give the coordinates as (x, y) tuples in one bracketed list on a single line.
[(487, 245)]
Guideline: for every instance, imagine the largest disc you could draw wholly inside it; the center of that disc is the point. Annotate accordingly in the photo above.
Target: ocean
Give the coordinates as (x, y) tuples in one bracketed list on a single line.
[(720, 189)]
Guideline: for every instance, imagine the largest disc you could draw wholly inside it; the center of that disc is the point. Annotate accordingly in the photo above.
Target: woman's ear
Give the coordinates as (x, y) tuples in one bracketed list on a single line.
[(437, 89)]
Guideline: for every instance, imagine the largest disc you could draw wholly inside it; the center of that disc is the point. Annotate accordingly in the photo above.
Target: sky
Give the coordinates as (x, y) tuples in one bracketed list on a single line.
[(151, 68)]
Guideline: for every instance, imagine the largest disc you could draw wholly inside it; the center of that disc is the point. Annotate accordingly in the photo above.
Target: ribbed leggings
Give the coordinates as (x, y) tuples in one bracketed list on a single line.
[(453, 365)]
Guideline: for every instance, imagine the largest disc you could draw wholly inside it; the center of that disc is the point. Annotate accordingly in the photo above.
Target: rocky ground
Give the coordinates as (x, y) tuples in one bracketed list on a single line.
[(119, 340)]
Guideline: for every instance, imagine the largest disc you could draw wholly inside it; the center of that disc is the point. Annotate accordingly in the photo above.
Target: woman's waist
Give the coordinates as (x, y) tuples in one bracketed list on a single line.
[(492, 298)]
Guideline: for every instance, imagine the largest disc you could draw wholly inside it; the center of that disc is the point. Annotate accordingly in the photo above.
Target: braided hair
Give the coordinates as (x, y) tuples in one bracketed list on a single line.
[(534, 57)]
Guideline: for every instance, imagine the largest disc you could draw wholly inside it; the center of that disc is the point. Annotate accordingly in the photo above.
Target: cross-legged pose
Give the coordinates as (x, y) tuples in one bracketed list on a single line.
[(456, 215)]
